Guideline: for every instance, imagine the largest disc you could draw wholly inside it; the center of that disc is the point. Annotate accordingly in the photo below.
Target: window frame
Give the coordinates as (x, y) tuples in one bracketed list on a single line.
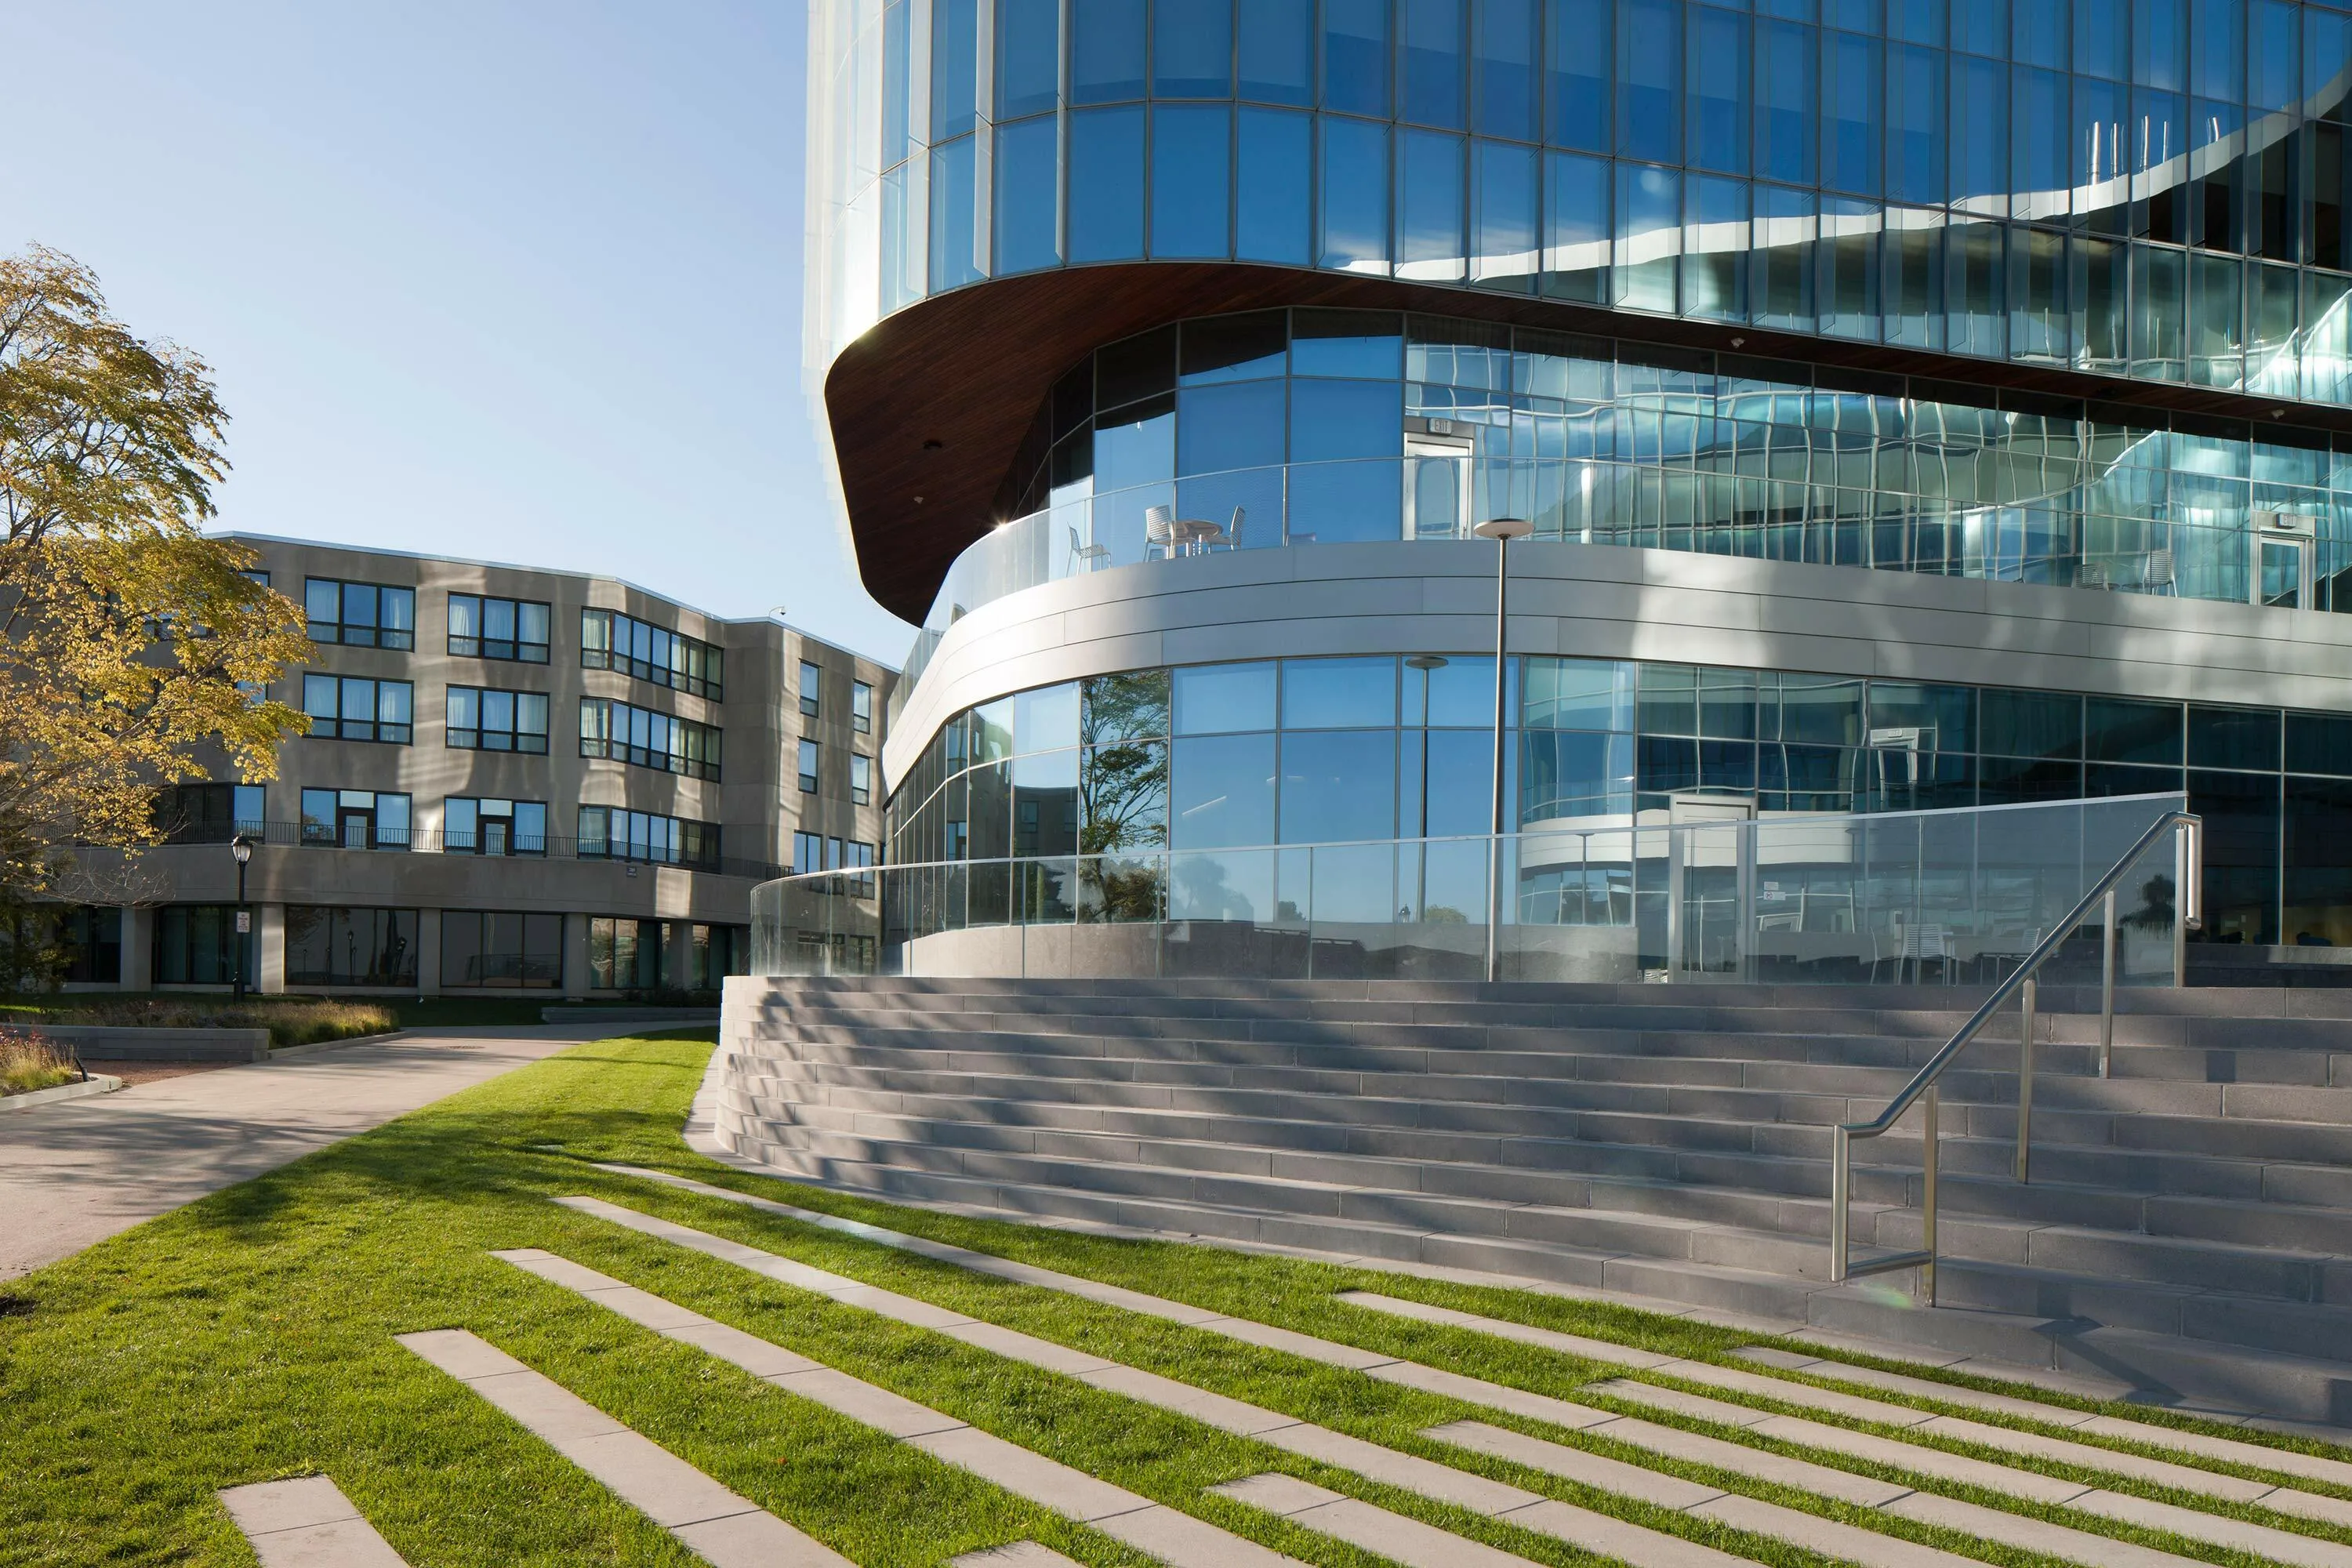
[(519, 843), (329, 833), (811, 760), (396, 640), (687, 842), (607, 726), (378, 729), (520, 649), (518, 738), (861, 706), (610, 639)]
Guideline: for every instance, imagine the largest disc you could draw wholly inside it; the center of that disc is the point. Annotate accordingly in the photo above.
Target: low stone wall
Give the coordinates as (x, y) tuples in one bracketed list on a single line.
[(111, 1043)]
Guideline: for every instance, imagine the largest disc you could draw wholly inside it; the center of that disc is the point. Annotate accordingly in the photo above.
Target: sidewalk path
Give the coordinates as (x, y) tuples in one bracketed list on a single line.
[(75, 1173)]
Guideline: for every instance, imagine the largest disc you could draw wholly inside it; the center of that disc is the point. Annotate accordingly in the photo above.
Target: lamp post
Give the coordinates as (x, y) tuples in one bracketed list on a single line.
[(1502, 531), (240, 849)]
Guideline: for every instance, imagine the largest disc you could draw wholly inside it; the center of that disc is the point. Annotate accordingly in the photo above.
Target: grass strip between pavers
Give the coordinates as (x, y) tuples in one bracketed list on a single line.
[(250, 1337)]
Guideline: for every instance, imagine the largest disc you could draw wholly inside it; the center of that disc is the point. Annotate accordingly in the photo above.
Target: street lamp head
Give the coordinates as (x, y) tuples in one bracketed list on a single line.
[(1504, 528), (240, 848), (1426, 661)]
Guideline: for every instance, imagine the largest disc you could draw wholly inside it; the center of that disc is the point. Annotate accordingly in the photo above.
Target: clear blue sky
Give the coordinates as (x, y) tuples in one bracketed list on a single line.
[(509, 279)]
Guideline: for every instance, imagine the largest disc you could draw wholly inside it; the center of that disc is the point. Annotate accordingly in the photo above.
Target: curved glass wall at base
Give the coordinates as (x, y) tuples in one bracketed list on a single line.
[(1279, 428), (1955, 895)]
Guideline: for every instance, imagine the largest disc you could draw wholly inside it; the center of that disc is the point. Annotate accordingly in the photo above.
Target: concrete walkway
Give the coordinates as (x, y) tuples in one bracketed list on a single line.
[(75, 1172)]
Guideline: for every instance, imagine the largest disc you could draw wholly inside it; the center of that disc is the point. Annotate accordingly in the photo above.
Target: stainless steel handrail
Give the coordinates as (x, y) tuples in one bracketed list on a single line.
[(2187, 900)]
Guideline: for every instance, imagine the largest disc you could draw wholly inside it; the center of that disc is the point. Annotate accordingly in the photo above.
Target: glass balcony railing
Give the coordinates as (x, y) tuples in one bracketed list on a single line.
[(1957, 896)]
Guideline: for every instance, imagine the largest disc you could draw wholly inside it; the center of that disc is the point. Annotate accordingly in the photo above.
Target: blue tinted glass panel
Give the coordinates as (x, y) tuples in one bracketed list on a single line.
[(1576, 228), (1503, 46), (1275, 43), (1356, 56), (1192, 49), (1106, 184), (1429, 57), (1979, 133), (1346, 342), (1028, 57), (1190, 156), (1503, 251), (2217, 57), (1221, 791), (1576, 73), (2038, 33), (1106, 51), (2103, 38), (2038, 171), (1332, 503), (955, 65), (1333, 419), (1338, 693), (1244, 347), (1272, 211), (1236, 427), (1339, 787), (1915, 124), (1717, 101), (2158, 38), (1649, 237), (1920, 21), (2271, 28), (897, 113), (1429, 205), (1982, 27), (1355, 235), (1649, 79), (1028, 184), (1715, 246), (954, 259), (1137, 446), (1787, 97), (1853, 123), (1853, 15), (1214, 698), (2326, 61)]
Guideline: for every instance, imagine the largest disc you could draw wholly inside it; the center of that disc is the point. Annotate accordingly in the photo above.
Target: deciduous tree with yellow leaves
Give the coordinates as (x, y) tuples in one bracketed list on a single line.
[(132, 648)]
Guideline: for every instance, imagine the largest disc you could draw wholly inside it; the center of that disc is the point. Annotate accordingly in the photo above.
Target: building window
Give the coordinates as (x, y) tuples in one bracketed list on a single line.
[(861, 706), (610, 640), (92, 940), (354, 819), (812, 680), (211, 813), (348, 707), (808, 767), (360, 615), (611, 833), (502, 948), (861, 779), (624, 954), (482, 627), (349, 947), (644, 739), (477, 825), (197, 944), (815, 852), (488, 721)]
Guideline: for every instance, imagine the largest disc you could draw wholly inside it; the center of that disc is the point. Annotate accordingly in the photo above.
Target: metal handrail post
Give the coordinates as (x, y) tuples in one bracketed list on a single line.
[(1841, 1181), (1930, 1130), (2108, 987), (2025, 1078), (2180, 857)]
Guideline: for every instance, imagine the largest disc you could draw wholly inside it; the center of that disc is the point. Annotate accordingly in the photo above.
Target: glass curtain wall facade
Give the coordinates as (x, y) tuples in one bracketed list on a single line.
[(2153, 189)]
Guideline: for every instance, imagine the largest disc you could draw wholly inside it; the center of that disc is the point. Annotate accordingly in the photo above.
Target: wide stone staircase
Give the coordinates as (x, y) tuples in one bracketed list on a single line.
[(2188, 1226)]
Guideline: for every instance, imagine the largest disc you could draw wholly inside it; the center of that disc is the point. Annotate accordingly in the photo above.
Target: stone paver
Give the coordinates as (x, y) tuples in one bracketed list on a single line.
[(306, 1523), (1359, 1524), (1592, 1532), (1179, 1540), (727, 1530), (73, 1174), (1020, 1554)]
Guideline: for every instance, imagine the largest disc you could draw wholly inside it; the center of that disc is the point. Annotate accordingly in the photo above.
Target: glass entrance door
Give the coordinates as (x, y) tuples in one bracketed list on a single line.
[(1437, 487), (2279, 572)]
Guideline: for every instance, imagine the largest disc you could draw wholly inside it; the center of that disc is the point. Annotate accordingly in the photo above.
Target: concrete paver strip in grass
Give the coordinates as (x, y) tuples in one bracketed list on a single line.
[(726, 1530), (1179, 1540), (306, 1523), (1359, 1524), (1020, 1554), (1590, 1531), (2230, 1450), (1755, 1463), (1953, 1513)]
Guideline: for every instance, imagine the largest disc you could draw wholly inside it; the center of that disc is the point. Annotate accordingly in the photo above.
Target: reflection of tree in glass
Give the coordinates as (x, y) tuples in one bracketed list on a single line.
[(1123, 794), (1206, 896), (2155, 911)]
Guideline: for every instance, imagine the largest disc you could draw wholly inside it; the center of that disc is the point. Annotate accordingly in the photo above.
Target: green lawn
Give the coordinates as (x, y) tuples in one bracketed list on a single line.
[(250, 1337)]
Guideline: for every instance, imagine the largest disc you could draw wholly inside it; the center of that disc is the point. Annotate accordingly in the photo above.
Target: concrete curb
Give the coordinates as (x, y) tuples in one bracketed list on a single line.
[(124, 1042), (311, 1047), (98, 1083)]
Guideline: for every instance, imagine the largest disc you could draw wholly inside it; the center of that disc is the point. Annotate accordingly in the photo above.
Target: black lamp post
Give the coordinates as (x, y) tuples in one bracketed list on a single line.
[(241, 850), (1502, 531)]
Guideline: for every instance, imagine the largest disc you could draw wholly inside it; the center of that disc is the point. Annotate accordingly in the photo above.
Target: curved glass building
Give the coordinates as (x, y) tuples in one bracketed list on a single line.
[(1915, 404)]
